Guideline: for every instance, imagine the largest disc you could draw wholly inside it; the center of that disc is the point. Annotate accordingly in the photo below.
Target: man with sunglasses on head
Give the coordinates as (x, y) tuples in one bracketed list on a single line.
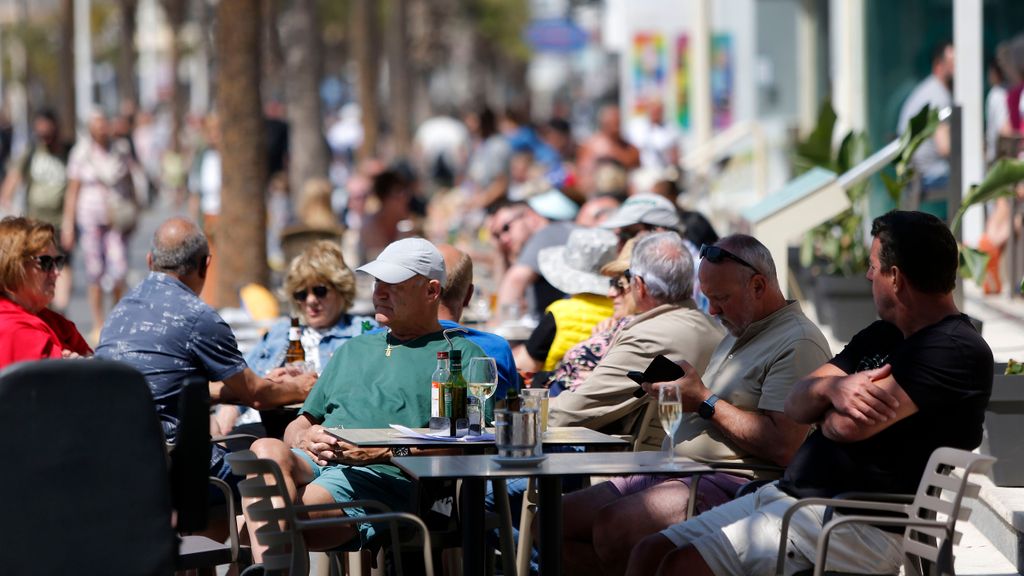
[(916, 380), (164, 330), (735, 408)]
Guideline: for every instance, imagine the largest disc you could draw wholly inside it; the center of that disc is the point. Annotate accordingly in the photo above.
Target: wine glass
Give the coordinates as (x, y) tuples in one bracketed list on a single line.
[(482, 379), (670, 411)]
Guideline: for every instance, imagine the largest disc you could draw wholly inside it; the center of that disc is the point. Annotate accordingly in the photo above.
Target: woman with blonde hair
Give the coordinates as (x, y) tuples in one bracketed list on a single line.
[(321, 289), (29, 265)]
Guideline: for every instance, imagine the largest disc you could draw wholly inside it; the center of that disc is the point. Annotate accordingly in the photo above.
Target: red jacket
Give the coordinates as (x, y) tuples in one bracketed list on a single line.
[(26, 336)]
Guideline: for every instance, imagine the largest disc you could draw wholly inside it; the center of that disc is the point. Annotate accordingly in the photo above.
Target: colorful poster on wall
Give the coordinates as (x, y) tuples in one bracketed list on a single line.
[(649, 67), (682, 90), (722, 81)]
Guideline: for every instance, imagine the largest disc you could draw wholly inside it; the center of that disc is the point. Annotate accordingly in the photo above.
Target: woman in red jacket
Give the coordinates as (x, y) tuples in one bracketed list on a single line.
[(29, 265)]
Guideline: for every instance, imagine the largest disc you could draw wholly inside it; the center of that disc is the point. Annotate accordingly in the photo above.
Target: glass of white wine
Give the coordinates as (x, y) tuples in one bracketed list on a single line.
[(670, 411), (482, 379)]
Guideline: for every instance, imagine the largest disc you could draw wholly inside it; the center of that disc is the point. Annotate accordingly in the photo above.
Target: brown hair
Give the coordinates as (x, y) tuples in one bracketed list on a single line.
[(20, 238), (321, 263), (315, 204), (458, 280)]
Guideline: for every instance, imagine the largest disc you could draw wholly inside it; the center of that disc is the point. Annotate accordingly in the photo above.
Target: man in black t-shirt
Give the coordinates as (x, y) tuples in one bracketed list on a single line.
[(916, 380)]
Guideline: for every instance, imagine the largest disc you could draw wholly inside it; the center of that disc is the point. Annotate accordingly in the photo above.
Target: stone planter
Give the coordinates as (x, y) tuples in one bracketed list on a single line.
[(1004, 420), (846, 303)]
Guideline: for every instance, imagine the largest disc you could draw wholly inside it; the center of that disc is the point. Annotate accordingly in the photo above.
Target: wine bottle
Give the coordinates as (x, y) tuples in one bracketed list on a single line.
[(455, 393)]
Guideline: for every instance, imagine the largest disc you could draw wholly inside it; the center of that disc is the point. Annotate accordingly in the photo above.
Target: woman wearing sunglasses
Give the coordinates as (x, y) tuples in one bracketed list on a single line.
[(321, 289), (29, 265)]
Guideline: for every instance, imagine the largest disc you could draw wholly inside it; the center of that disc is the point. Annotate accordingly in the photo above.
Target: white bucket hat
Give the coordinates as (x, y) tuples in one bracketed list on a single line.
[(576, 267)]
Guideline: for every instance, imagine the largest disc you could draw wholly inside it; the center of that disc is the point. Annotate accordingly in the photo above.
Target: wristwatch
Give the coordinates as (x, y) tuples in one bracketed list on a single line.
[(401, 451), (707, 408)]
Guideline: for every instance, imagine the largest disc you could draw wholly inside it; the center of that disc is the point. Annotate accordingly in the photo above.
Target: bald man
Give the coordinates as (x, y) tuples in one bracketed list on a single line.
[(162, 329), (457, 292)]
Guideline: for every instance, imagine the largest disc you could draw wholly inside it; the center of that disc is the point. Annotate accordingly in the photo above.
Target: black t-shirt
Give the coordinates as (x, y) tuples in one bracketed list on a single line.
[(542, 337), (945, 368)]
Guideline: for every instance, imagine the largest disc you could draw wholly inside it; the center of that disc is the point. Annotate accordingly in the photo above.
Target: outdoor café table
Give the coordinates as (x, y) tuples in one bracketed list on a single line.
[(555, 436), (475, 470)]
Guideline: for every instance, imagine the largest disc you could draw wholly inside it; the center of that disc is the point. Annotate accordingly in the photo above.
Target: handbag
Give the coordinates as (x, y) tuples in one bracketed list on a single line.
[(122, 213)]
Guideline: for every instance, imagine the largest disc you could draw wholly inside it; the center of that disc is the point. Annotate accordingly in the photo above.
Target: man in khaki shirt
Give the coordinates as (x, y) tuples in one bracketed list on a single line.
[(667, 322), (738, 415)]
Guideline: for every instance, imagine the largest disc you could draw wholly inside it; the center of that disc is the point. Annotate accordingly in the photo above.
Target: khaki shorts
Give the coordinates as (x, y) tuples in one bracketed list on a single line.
[(742, 537)]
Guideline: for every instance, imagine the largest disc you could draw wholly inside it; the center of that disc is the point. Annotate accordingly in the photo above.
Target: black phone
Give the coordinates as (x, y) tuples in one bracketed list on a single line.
[(661, 369)]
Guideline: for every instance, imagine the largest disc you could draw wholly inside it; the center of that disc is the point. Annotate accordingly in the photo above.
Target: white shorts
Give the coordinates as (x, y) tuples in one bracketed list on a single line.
[(742, 537)]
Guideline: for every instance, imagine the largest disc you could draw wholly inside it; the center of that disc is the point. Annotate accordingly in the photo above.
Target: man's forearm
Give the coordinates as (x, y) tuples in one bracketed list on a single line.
[(768, 437), (808, 400)]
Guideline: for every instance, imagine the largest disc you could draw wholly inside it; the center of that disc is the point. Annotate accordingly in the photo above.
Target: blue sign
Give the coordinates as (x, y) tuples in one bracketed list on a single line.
[(555, 35)]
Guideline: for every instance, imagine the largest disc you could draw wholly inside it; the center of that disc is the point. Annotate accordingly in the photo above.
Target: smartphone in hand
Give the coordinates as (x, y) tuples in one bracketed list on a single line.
[(661, 369)]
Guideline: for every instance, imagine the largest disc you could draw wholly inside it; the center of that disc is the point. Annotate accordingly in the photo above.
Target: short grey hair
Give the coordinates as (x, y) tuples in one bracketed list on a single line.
[(665, 263), (180, 258), (753, 251)]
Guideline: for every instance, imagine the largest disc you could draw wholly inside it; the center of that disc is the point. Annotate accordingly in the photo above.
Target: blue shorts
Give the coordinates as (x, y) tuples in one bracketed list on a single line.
[(381, 482)]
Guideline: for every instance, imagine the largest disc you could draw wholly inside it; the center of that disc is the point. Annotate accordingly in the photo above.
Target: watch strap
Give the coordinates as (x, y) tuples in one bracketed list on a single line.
[(707, 408)]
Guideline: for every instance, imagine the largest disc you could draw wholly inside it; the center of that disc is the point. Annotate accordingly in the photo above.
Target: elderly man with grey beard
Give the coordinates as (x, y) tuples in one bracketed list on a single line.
[(738, 415)]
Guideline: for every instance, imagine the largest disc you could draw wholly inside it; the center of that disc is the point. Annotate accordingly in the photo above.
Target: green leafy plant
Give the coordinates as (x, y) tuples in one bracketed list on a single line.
[(998, 182), (836, 246)]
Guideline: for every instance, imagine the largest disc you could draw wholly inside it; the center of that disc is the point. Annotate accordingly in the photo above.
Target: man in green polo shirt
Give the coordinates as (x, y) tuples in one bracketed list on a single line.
[(376, 379)]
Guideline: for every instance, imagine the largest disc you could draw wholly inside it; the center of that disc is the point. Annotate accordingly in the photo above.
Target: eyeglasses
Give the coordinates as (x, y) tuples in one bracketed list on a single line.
[(318, 291), (49, 263), (629, 275), (616, 286), (508, 224), (715, 254)]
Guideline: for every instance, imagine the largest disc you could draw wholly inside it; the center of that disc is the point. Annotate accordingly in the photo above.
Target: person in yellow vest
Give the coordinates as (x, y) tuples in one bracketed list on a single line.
[(575, 269)]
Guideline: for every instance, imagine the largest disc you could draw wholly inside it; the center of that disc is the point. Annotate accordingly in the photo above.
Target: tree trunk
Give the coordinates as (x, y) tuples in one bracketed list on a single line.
[(366, 48), (127, 56), (66, 98), (303, 46), (273, 55), (243, 219), (175, 10), (399, 78)]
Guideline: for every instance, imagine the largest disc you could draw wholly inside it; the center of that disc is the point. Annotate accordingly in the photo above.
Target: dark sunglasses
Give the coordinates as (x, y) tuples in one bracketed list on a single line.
[(508, 225), (615, 284), (629, 275), (318, 291), (715, 255), (49, 263)]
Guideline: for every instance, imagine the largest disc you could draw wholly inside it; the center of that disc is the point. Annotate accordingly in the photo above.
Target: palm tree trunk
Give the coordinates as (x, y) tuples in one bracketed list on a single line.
[(399, 80), (175, 10), (127, 56), (303, 46), (366, 47), (241, 232)]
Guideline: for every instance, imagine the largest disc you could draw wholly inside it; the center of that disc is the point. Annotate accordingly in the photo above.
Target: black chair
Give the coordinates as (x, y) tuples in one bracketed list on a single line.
[(85, 484)]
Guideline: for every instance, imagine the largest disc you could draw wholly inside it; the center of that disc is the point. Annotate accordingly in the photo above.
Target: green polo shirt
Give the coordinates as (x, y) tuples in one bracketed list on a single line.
[(363, 387)]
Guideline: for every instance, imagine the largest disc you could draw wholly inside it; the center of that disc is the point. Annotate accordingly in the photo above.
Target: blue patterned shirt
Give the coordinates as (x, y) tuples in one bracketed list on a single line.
[(162, 329)]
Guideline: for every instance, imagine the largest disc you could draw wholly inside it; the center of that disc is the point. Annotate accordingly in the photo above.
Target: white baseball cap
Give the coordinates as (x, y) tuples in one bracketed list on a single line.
[(404, 259), (650, 209)]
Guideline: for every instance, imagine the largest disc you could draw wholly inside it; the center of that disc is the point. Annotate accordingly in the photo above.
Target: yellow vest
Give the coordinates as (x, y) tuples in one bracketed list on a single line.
[(575, 319)]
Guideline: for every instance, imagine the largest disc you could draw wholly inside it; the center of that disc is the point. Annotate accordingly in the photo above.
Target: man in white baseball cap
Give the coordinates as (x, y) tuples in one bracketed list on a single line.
[(375, 380), (643, 213)]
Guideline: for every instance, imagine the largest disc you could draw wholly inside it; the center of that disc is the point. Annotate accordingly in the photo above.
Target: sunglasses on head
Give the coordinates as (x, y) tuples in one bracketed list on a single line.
[(318, 291), (715, 254), (49, 263)]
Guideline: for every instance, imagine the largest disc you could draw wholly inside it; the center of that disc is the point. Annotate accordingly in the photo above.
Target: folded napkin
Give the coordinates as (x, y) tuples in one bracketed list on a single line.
[(485, 437)]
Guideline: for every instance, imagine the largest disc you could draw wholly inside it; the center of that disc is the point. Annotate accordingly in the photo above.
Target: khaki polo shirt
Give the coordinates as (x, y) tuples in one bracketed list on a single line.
[(754, 372)]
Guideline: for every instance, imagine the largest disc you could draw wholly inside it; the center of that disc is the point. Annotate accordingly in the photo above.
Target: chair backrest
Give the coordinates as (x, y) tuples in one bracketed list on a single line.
[(286, 548), (85, 483), (944, 485), (190, 458)]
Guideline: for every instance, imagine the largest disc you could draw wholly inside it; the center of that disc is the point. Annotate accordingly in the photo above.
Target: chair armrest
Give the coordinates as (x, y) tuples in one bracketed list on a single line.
[(821, 552), (226, 437), (365, 504), (229, 497), (804, 502)]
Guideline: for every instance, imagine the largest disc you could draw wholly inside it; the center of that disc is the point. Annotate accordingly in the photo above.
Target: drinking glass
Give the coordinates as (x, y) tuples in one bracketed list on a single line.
[(537, 399), (670, 411), (482, 378)]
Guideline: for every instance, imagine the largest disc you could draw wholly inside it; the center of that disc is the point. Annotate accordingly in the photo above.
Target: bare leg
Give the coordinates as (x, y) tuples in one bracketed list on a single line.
[(684, 560), (647, 555), (580, 511), (62, 297), (118, 292), (96, 307), (297, 476), (621, 524)]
